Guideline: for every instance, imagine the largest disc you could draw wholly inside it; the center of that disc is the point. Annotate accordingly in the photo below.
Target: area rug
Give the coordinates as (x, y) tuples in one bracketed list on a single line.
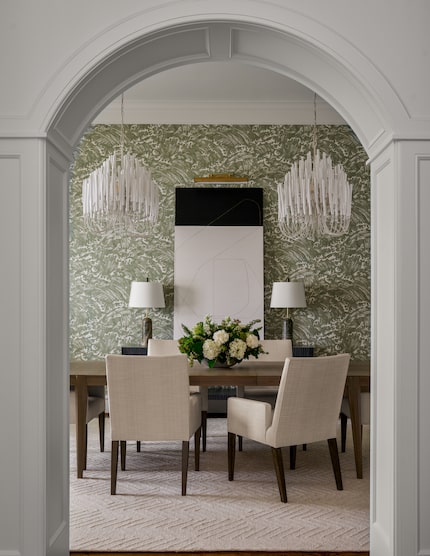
[(148, 512)]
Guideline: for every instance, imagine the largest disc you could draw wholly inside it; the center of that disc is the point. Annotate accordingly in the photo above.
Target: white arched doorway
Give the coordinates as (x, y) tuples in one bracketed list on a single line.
[(249, 42)]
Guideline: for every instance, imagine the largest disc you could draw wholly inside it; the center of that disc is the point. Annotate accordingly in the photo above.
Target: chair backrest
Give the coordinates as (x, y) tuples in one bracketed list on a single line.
[(148, 397), (276, 350), (309, 399), (162, 347)]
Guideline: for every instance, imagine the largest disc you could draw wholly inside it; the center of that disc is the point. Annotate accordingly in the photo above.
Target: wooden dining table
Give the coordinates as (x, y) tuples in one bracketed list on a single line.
[(248, 373)]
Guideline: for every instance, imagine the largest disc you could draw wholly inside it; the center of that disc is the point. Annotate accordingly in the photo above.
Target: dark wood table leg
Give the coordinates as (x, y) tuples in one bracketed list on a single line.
[(354, 391), (81, 419)]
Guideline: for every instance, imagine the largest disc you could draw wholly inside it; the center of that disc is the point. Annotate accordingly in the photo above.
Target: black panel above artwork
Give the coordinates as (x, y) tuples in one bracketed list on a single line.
[(219, 206)]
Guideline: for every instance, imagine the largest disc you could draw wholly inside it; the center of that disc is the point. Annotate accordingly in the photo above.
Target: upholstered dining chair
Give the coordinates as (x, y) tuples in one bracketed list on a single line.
[(170, 347), (274, 350), (345, 414), (149, 399), (306, 410), (96, 406)]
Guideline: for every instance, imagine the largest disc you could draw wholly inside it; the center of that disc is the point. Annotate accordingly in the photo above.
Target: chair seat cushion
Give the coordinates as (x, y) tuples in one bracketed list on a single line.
[(95, 406), (365, 408)]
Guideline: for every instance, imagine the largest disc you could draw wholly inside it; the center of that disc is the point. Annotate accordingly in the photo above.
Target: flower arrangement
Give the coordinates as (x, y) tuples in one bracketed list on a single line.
[(224, 344)]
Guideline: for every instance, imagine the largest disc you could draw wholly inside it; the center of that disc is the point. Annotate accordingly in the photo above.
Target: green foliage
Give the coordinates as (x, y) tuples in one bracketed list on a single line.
[(226, 343)]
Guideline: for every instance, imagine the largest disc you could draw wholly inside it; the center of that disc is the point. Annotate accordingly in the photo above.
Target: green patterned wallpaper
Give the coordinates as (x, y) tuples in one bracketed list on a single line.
[(336, 271)]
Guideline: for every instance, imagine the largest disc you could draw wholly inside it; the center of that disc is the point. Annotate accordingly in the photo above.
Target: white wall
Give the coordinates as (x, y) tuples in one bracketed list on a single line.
[(352, 56)]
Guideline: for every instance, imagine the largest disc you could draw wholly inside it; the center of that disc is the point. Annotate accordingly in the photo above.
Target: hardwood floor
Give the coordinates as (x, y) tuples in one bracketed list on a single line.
[(294, 553)]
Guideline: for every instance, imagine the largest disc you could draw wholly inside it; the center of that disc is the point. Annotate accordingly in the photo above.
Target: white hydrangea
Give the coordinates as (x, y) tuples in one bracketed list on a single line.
[(237, 349), (210, 349), (252, 341), (221, 337)]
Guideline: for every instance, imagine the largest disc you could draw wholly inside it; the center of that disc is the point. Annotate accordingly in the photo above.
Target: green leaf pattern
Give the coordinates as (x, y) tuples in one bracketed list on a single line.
[(336, 271)]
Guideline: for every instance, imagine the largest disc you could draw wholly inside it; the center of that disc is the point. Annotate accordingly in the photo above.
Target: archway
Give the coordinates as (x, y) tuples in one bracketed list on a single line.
[(253, 44), (204, 41)]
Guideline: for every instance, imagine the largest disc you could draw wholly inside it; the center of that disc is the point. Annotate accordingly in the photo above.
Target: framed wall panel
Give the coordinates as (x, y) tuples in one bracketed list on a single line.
[(219, 269)]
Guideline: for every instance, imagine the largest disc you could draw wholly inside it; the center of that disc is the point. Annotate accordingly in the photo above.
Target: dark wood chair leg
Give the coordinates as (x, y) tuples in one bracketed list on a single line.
[(231, 455), (204, 429), (102, 431), (343, 425), (305, 447), (240, 443), (113, 466), (334, 454), (86, 447), (280, 475), (185, 453), (293, 454), (123, 454), (138, 446), (197, 435)]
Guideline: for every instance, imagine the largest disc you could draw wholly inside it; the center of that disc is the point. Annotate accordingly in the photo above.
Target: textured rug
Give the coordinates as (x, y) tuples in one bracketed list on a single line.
[(149, 514)]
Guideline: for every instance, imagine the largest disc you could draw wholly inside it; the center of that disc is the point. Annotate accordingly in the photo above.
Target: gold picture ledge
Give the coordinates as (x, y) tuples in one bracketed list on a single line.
[(221, 178)]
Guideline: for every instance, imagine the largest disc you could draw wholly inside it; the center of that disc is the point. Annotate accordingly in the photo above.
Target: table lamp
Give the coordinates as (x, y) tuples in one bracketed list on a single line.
[(288, 295), (146, 295)]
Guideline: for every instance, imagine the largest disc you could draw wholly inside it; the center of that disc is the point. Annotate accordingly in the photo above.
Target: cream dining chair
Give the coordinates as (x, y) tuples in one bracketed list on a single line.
[(96, 406), (274, 350), (170, 347), (306, 410), (345, 414), (149, 399)]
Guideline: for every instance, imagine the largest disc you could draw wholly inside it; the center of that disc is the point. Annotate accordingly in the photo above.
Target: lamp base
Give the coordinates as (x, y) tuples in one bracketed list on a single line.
[(287, 329), (146, 331)]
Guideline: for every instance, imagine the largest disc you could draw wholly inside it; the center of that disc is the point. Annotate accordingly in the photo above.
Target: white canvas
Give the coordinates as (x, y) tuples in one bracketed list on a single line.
[(218, 272)]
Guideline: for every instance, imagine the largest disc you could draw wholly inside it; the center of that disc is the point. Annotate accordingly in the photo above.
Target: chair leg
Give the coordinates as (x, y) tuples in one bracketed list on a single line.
[(86, 447), (102, 431), (204, 429), (123, 454), (197, 435), (185, 453), (137, 445), (280, 475), (114, 466), (343, 424), (231, 455), (334, 454), (240, 443), (293, 454)]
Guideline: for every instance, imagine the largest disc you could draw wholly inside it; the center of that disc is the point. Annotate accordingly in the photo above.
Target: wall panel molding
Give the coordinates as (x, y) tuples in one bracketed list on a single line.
[(21, 341), (423, 303)]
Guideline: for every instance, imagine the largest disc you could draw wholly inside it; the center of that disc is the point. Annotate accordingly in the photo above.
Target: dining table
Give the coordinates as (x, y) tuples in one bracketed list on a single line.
[(247, 373)]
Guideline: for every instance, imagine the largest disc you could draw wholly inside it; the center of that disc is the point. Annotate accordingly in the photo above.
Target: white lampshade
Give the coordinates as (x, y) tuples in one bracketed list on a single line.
[(288, 295), (146, 295)]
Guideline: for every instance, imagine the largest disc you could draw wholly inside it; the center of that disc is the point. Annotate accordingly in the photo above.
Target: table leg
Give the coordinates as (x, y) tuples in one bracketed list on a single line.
[(354, 392), (81, 420)]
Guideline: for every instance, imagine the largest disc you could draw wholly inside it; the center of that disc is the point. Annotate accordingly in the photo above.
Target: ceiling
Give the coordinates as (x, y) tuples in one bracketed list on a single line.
[(219, 92)]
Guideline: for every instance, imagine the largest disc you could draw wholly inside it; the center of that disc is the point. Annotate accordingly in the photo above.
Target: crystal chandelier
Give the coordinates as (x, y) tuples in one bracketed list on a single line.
[(315, 197), (120, 193)]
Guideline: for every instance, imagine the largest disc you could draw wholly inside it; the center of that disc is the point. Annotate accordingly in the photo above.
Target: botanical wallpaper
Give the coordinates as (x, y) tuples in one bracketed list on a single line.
[(335, 271)]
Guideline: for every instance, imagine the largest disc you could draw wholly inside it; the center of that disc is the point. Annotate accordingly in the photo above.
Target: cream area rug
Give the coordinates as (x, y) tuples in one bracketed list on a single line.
[(148, 512)]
